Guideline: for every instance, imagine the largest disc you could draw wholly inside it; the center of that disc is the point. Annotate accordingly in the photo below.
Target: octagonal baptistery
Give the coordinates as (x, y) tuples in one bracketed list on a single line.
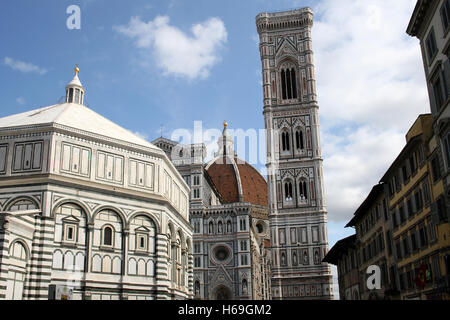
[(89, 210)]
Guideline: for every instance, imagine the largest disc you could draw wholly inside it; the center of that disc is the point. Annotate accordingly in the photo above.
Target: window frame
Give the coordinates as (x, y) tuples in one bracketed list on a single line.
[(71, 225), (103, 244), (431, 40), (142, 235)]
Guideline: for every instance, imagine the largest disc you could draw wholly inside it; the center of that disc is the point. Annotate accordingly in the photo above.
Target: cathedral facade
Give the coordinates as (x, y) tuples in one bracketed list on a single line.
[(297, 211), (89, 210), (228, 210)]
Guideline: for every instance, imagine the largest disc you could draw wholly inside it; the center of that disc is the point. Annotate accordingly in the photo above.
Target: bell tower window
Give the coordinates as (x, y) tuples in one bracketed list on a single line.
[(299, 141), (288, 83), (288, 190), (303, 190), (285, 143)]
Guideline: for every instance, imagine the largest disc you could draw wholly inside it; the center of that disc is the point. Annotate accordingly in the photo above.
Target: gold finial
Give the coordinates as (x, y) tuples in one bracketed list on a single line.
[(76, 69), (225, 124)]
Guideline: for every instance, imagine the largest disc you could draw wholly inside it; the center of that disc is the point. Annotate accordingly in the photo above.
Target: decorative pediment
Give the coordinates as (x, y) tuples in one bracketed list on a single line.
[(302, 173), (221, 276), (142, 229), (283, 123), (299, 121), (287, 49), (287, 173), (71, 219)]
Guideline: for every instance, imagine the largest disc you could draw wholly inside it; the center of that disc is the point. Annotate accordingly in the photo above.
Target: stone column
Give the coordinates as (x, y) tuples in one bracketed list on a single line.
[(4, 256), (190, 275), (87, 258), (161, 272), (123, 271), (41, 259)]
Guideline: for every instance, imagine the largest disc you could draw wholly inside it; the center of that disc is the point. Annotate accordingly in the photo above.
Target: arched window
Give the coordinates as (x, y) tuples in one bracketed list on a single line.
[(107, 236), (285, 141), (197, 288), (303, 190), (283, 259), (288, 190), (300, 142), (288, 83), (18, 251), (244, 287)]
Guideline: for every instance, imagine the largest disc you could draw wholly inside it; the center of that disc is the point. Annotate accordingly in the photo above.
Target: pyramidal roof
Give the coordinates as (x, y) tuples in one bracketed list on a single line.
[(77, 117)]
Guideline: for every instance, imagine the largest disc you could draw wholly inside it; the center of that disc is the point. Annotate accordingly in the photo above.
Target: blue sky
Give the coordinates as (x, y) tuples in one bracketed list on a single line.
[(370, 77)]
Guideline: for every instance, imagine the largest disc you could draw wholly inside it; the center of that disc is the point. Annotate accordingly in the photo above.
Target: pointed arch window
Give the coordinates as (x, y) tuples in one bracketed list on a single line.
[(285, 141), (244, 287), (303, 191), (288, 82), (299, 140), (288, 190)]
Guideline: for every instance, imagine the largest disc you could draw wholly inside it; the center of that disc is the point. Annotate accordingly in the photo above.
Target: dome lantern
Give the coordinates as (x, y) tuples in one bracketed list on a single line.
[(75, 90), (226, 143)]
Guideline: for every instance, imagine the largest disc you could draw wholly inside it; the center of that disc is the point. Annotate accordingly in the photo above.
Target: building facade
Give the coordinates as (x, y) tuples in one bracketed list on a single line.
[(420, 233), (374, 244), (345, 255), (401, 226), (228, 210), (89, 210), (430, 23), (297, 209)]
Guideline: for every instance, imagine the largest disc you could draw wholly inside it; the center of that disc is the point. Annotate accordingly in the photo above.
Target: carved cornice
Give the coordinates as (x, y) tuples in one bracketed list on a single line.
[(293, 19)]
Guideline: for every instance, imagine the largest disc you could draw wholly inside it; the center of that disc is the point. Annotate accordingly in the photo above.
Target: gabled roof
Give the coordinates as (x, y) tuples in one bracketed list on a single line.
[(73, 116)]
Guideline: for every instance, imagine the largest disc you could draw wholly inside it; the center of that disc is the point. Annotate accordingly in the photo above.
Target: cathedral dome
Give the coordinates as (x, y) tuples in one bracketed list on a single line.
[(235, 179), (238, 181)]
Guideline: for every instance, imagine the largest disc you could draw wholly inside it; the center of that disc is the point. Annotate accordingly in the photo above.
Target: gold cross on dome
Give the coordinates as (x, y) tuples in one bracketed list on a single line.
[(76, 69)]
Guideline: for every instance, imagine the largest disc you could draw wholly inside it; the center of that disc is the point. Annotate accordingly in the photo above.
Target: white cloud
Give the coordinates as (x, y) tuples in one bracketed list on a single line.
[(174, 51), (23, 66), (20, 101), (371, 88)]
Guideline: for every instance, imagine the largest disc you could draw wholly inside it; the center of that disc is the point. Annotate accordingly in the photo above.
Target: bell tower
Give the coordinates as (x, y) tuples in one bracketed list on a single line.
[(297, 210)]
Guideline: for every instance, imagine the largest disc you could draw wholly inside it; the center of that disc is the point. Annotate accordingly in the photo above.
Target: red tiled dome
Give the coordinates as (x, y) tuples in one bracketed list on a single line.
[(246, 185)]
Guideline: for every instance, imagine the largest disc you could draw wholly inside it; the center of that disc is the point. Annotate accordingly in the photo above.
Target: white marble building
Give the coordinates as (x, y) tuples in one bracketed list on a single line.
[(89, 210)]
